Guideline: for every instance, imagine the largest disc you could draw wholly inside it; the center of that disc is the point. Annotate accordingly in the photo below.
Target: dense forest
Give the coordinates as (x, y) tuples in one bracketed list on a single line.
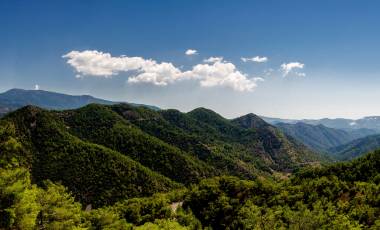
[(125, 167)]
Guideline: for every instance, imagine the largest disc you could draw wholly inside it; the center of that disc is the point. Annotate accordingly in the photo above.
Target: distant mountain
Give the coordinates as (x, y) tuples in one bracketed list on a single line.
[(274, 121), (320, 137), (372, 122), (17, 98), (356, 147)]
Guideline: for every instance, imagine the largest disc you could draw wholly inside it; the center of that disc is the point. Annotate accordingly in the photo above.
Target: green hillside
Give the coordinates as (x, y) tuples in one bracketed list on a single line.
[(356, 147), (316, 137), (344, 195), (99, 124), (122, 167), (95, 174), (220, 142)]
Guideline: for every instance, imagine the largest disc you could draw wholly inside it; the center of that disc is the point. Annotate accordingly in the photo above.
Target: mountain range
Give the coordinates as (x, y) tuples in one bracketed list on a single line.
[(356, 148), (17, 98), (110, 165), (324, 135), (165, 149), (371, 122), (321, 138)]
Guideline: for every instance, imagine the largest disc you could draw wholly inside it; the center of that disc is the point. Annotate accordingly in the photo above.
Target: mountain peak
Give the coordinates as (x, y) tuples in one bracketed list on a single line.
[(251, 120)]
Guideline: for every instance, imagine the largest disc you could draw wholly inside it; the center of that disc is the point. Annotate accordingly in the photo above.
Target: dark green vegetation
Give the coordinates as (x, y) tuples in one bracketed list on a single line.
[(321, 138), (125, 167), (107, 153), (16, 98), (95, 174), (341, 196), (356, 147)]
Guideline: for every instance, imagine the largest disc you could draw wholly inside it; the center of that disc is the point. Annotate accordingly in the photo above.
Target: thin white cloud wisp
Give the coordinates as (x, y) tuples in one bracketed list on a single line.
[(257, 59), (292, 67)]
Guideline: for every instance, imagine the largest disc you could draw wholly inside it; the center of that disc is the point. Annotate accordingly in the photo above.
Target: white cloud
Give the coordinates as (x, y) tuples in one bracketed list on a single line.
[(95, 63), (215, 72), (213, 59), (36, 87), (191, 52), (222, 74), (292, 67), (257, 59)]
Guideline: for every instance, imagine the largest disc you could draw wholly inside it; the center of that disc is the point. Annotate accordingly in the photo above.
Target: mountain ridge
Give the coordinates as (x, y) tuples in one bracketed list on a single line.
[(322, 138), (16, 98), (368, 122)]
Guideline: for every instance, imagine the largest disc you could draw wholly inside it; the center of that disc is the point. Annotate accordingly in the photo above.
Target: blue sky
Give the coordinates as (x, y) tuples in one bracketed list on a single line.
[(336, 42)]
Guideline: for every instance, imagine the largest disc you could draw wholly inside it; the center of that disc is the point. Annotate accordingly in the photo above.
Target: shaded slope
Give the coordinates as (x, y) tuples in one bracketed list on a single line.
[(317, 137), (356, 147), (99, 124), (95, 174), (283, 150), (365, 168), (180, 130)]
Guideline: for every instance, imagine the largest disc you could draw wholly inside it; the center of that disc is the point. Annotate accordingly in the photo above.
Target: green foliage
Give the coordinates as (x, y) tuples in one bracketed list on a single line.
[(356, 148), (58, 208), (141, 210), (362, 169), (162, 225), (18, 205), (99, 124), (303, 203), (95, 174), (107, 219), (318, 137), (114, 159), (24, 206)]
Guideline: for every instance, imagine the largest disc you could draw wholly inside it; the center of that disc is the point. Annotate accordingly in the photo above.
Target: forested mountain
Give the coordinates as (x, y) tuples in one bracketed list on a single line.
[(125, 167), (321, 138), (86, 147), (17, 98), (219, 141), (97, 175), (356, 147)]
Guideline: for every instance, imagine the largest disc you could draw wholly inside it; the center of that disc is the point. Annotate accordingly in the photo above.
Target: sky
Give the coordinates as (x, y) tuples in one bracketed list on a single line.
[(287, 59)]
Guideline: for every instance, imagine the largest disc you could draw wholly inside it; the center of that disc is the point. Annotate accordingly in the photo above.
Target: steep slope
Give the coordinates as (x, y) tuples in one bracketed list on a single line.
[(180, 130), (100, 125), (317, 137), (95, 174), (283, 149), (356, 147), (17, 98), (365, 168), (223, 144)]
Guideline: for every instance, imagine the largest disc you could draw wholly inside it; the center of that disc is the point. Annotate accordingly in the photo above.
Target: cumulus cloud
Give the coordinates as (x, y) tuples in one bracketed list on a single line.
[(292, 67), (257, 59), (214, 72), (191, 52), (224, 74), (95, 63)]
